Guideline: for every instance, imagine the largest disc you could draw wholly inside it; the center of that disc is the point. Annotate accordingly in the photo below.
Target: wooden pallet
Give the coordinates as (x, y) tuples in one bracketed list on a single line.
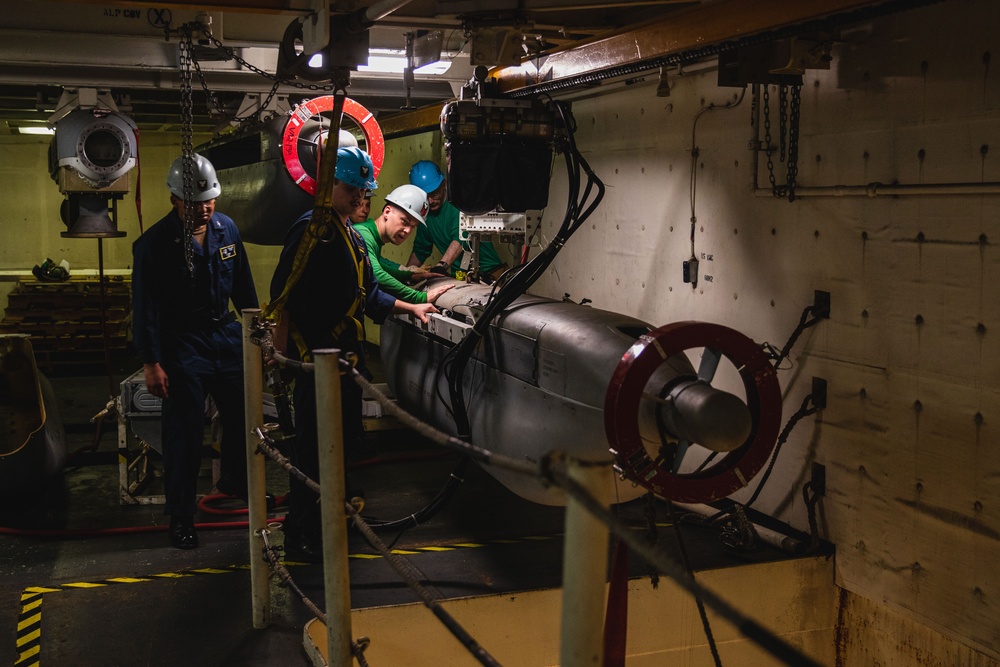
[(27, 302), (42, 331), (64, 321), (112, 285), (29, 315)]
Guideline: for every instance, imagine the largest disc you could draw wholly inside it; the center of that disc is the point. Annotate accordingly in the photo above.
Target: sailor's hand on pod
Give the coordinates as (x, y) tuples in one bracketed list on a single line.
[(418, 310), (434, 292)]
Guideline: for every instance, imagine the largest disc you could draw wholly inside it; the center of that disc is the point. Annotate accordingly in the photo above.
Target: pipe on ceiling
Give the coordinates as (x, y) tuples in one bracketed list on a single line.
[(686, 35)]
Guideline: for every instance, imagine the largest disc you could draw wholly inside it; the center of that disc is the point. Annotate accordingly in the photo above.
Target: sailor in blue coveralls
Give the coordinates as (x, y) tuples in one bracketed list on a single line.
[(190, 342), (322, 304)]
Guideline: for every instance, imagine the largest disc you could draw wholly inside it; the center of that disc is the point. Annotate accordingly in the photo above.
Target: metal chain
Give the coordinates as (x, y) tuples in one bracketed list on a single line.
[(738, 532), (782, 120), (314, 87), (213, 99), (788, 120), (793, 140), (187, 152), (768, 151)]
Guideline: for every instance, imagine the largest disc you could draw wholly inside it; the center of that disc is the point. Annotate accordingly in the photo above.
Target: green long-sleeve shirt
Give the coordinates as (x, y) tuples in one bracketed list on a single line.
[(440, 230), (387, 272)]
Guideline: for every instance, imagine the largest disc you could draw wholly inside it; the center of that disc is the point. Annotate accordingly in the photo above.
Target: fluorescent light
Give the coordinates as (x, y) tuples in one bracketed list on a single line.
[(440, 67), (35, 129), (388, 61), (384, 64)]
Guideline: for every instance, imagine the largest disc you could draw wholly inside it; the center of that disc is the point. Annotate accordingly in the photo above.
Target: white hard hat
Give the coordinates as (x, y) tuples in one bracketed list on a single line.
[(346, 139), (205, 182), (411, 199)]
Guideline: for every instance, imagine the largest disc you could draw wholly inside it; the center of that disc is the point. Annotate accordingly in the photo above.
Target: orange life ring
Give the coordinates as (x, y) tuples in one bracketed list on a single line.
[(374, 141)]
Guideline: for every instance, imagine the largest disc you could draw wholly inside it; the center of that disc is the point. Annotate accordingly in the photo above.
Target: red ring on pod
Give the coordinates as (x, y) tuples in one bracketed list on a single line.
[(621, 411)]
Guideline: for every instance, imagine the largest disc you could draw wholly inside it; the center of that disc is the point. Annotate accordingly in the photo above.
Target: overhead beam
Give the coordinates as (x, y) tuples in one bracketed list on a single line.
[(257, 6), (681, 31), (412, 122)]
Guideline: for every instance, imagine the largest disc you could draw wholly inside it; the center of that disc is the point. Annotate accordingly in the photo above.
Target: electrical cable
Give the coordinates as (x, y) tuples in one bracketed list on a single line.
[(695, 153), (803, 324), (807, 408), (455, 479), (521, 280)]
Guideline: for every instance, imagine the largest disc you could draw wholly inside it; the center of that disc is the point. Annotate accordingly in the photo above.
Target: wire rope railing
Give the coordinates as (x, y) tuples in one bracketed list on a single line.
[(588, 522)]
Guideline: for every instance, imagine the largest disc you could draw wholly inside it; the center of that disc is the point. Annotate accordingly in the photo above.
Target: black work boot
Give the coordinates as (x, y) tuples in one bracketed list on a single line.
[(182, 532)]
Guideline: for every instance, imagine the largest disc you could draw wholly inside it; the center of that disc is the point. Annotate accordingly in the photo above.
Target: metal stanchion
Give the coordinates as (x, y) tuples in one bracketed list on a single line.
[(253, 406), (330, 438), (585, 563)]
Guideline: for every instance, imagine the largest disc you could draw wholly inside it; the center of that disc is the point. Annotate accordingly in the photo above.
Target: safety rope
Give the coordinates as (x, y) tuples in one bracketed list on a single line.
[(552, 469), (403, 568), (412, 578), (750, 628), (271, 556)]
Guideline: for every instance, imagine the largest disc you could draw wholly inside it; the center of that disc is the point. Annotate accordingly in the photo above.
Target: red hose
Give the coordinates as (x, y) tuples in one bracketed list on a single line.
[(125, 530), (204, 504)]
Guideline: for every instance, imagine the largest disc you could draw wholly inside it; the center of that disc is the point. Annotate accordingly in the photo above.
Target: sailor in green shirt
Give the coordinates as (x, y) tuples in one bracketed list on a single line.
[(440, 229), (405, 208)]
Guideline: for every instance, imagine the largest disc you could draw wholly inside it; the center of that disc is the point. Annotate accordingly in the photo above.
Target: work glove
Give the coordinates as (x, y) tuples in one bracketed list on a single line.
[(439, 268)]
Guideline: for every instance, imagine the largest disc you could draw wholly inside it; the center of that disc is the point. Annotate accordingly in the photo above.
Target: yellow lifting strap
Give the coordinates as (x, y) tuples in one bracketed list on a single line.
[(354, 312), (319, 231)]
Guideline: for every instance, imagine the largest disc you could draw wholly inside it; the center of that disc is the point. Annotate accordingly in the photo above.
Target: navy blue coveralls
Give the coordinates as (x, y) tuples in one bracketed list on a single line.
[(185, 324), (316, 306)]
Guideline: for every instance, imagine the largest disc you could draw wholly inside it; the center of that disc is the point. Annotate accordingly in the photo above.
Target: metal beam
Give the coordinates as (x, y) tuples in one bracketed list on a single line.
[(681, 31), (257, 6), (412, 122)]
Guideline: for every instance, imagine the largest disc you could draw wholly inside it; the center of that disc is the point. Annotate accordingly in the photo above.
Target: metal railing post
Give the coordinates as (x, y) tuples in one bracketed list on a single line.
[(585, 563), (253, 406), (330, 437)]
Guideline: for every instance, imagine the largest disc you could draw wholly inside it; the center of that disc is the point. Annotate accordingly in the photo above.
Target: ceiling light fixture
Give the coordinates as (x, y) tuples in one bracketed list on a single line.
[(34, 129), (387, 61)]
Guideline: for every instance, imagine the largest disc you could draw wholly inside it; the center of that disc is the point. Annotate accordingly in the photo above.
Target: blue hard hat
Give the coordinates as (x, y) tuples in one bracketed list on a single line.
[(426, 175), (354, 167)]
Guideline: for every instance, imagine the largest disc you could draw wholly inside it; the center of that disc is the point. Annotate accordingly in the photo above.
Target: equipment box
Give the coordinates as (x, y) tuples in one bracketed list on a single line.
[(140, 449)]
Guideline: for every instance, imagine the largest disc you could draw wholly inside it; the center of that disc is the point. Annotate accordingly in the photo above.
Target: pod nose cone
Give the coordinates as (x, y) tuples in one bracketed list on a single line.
[(714, 419)]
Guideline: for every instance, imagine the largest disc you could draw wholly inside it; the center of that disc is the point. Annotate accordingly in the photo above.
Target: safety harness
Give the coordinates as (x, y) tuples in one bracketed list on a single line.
[(319, 231)]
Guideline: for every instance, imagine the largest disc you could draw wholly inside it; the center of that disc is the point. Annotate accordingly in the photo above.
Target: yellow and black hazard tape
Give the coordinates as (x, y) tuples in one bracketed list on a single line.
[(29, 622), (457, 546)]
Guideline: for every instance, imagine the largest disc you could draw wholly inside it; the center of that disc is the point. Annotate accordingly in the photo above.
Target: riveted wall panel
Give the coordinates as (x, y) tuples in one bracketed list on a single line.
[(909, 352)]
